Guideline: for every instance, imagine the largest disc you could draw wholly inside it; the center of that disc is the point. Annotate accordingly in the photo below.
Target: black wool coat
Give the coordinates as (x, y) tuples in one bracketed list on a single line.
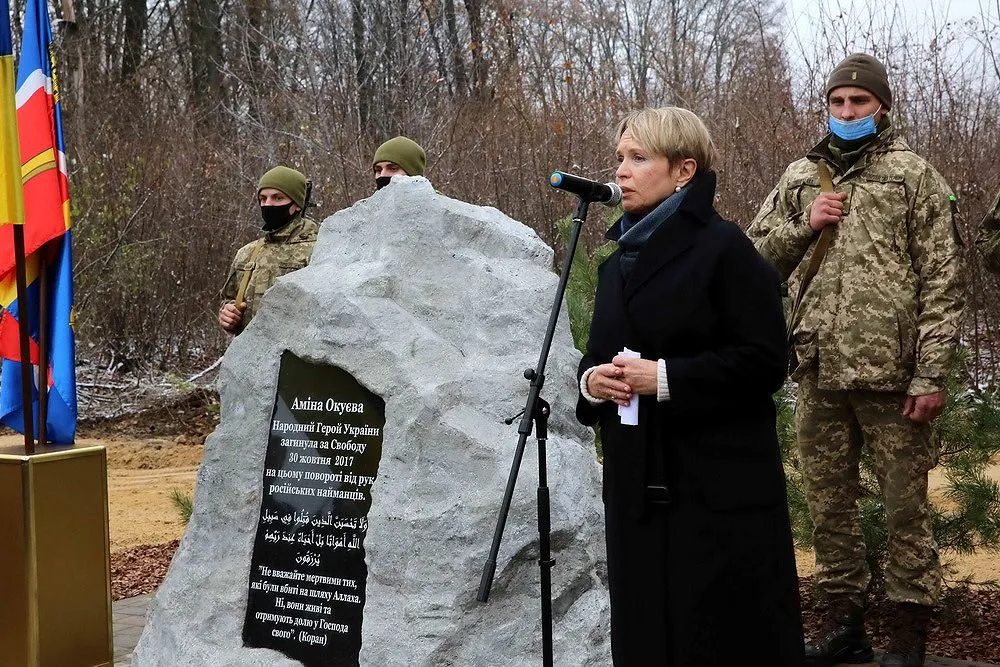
[(700, 558)]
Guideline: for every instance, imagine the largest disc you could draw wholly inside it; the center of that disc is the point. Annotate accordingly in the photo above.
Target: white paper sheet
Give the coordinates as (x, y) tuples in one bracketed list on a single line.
[(629, 414)]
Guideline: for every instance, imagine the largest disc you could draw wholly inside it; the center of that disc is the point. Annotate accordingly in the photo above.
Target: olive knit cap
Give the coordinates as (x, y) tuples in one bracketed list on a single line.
[(405, 152), (288, 180), (863, 71)]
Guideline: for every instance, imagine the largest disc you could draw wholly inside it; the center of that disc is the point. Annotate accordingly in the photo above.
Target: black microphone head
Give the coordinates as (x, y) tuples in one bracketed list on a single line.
[(605, 193)]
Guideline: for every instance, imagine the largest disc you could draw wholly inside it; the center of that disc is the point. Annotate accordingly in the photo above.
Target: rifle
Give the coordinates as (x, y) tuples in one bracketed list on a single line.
[(306, 201)]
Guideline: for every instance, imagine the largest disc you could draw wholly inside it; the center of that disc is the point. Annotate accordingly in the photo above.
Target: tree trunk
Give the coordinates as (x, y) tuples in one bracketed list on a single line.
[(457, 59), (136, 21), (480, 67), (362, 70), (205, 35), (70, 68)]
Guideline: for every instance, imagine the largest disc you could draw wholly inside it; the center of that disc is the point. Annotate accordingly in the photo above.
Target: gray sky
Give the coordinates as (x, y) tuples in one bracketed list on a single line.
[(915, 9), (920, 14), (821, 32)]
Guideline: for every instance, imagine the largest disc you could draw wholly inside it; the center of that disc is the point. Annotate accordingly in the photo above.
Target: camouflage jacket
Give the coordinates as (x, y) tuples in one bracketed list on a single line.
[(883, 311), (282, 251), (988, 241)]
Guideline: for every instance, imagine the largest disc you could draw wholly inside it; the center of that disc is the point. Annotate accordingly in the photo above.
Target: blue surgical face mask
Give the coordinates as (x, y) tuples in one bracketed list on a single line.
[(849, 130)]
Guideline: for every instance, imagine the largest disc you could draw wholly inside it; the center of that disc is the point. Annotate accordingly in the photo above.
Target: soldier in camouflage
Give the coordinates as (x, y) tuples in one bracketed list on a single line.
[(286, 246), (399, 156), (873, 337), (988, 242)]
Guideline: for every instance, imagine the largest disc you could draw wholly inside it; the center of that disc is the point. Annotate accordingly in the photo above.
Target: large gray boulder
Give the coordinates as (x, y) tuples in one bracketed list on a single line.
[(437, 306)]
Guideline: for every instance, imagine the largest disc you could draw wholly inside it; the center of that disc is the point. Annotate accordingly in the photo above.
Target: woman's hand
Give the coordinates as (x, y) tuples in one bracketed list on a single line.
[(639, 374), (605, 383)]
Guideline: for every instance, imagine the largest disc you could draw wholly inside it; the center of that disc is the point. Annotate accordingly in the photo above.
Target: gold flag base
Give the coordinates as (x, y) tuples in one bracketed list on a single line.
[(55, 558)]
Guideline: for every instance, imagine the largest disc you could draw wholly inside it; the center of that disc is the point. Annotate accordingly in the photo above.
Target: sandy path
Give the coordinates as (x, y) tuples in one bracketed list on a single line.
[(142, 474), (140, 509), (982, 566), (141, 477)]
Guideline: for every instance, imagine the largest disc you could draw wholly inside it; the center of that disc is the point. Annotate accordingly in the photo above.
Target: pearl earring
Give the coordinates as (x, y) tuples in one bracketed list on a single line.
[(677, 189)]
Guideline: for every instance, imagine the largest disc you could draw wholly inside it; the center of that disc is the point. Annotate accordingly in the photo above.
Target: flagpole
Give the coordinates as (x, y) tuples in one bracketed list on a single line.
[(22, 327), (43, 347)]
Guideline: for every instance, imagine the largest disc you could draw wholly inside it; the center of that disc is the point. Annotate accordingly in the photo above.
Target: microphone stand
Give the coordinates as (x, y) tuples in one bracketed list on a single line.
[(536, 411)]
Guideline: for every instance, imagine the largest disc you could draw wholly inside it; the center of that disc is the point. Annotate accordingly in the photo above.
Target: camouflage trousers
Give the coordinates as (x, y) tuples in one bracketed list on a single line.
[(832, 427)]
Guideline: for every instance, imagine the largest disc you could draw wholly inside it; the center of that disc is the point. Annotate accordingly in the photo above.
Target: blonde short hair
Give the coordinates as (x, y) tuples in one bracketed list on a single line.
[(671, 131)]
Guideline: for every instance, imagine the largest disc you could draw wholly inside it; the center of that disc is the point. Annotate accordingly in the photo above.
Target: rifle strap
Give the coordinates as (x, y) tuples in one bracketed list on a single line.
[(819, 253), (248, 269)]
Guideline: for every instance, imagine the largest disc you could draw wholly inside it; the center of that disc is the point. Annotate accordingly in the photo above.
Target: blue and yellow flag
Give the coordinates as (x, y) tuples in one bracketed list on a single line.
[(11, 201), (43, 179)]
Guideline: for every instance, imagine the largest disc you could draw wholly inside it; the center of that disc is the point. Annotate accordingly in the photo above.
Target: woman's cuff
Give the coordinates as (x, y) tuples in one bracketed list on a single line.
[(662, 387), (583, 388)]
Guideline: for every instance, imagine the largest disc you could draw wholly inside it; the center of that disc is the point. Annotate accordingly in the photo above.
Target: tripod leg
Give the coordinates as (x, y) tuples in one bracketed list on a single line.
[(545, 560)]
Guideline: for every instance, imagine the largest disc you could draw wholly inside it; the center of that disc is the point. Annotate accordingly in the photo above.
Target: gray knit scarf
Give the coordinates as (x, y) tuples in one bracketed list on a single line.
[(636, 231)]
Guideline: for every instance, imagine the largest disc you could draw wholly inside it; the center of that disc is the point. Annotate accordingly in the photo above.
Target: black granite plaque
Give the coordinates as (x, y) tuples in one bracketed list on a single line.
[(307, 570)]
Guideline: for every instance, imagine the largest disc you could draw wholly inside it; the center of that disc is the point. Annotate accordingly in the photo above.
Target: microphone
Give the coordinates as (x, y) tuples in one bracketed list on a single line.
[(608, 194)]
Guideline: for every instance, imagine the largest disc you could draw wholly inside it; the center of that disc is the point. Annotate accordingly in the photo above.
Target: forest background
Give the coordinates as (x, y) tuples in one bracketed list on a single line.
[(173, 108)]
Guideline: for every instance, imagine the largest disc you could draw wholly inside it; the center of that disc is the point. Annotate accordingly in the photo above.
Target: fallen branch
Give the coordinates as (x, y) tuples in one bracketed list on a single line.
[(99, 385), (210, 368)]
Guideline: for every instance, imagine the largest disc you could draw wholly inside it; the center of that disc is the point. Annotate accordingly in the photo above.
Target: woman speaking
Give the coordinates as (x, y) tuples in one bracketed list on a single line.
[(700, 559)]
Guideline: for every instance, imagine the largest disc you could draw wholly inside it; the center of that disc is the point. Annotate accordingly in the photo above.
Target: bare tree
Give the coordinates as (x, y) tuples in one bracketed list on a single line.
[(499, 92)]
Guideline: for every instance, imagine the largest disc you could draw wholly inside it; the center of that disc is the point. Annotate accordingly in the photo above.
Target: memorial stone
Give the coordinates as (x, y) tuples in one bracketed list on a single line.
[(425, 311)]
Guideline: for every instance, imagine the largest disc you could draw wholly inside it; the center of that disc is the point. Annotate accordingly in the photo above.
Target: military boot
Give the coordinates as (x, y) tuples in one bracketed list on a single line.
[(842, 638), (908, 641)]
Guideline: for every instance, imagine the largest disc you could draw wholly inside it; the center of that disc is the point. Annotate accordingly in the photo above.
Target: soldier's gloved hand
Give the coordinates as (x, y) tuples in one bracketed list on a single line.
[(230, 317), (826, 209), (924, 408)]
